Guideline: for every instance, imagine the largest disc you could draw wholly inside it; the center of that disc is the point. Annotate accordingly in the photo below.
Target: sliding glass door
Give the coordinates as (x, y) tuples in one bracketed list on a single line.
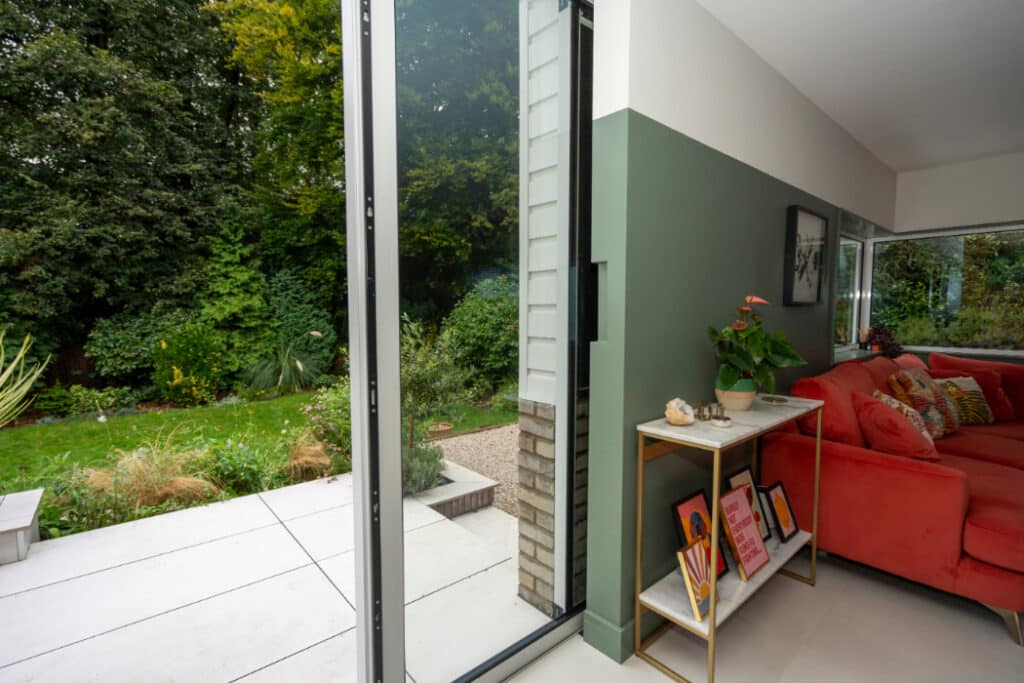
[(468, 209)]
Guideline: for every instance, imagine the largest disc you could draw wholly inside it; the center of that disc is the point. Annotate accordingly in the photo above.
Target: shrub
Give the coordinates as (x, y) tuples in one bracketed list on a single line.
[(421, 467), (120, 348), (286, 371), (85, 400), (328, 412), (484, 329), (430, 377), (507, 396), (16, 381), (56, 401), (301, 323), (242, 468), (187, 365)]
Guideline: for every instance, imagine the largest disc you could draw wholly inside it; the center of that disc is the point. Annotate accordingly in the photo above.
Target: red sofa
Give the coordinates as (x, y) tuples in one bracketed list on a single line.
[(956, 524)]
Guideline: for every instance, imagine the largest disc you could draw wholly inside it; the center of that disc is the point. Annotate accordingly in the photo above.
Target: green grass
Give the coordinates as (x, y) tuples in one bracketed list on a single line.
[(260, 422), (89, 441)]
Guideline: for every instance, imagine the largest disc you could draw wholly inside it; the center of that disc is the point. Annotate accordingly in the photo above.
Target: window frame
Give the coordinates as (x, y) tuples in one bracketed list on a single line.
[(858, 293), (868, 276)]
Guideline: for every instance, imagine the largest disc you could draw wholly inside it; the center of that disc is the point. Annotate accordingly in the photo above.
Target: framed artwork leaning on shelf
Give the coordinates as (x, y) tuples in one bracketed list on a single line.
[(693, 524), (742, 532), (696, 568), (745, 477), (782, 513)]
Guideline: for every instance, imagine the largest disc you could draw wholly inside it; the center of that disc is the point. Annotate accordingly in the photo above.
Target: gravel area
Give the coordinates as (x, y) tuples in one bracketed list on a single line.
[(492, 453)]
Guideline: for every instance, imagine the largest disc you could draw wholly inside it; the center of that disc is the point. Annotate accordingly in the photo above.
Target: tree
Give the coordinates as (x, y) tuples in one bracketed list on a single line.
[(119, 127)]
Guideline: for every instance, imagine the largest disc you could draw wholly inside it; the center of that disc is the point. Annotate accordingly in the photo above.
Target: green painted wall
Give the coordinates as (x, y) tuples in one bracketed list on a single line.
[(682, 233)]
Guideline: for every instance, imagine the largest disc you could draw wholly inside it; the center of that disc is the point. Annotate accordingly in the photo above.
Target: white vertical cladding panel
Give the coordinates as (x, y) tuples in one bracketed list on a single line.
[(543, 205)]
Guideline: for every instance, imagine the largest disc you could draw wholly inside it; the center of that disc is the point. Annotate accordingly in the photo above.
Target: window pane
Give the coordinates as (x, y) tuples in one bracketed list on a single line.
[(960, 291), (846, 297)]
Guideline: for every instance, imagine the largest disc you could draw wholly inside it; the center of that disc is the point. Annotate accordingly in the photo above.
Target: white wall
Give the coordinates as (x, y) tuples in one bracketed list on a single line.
[(687, 71), (971, 193)]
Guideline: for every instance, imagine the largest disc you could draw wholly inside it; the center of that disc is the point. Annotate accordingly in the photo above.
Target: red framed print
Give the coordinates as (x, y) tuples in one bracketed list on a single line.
[(693, 522), (745, 477), (782, 513), (696, 569), (742, 532)]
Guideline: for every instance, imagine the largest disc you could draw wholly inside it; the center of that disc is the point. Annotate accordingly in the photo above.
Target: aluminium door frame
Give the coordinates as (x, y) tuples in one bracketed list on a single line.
[(371, 184)]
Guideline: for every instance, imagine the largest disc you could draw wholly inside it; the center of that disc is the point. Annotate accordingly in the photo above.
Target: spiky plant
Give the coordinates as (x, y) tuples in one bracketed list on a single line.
[(16, 381)]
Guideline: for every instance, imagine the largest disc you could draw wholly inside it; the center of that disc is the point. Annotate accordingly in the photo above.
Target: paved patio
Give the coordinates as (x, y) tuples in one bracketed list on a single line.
[(259, 588)]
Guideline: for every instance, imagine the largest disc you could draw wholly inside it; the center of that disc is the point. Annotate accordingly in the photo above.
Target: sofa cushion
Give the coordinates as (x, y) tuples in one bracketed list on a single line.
[(909, 361), (994, 533), (1013, 375), (851, 375), (880, 369), (971, 406), (1008, 430), (988, 482), (991, 383), (985, 447), (838, 421), (889, 431), (917, 390), (906, 411)]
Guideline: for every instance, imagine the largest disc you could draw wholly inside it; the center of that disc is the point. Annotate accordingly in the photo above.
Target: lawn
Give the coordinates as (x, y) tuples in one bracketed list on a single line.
[(259, 422)]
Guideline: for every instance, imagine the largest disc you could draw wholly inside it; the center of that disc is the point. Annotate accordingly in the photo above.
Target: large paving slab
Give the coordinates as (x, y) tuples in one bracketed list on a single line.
[(310, 497), (219, 639), (60, 614), (64, 558)]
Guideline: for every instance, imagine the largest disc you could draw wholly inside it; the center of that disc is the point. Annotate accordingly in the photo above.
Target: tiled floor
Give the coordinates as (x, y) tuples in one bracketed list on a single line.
[(259, 588), (856, 625)]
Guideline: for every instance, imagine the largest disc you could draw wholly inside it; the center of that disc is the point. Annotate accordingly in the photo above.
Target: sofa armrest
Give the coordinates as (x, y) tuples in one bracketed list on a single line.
[(900, 515)]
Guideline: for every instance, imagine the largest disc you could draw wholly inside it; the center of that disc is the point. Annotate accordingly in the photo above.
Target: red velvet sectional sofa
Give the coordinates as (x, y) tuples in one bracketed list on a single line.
[(956, 523)]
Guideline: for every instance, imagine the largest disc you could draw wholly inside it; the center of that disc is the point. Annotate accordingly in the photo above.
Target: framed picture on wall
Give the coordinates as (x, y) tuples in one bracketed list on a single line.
[(806, 235)]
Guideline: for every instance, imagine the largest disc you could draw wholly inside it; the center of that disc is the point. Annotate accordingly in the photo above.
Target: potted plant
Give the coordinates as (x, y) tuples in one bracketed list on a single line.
[(748, 357)]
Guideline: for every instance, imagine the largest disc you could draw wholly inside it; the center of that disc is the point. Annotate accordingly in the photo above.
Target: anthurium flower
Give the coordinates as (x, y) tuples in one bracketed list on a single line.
[(739, 325), (751, 299), (744, 309)]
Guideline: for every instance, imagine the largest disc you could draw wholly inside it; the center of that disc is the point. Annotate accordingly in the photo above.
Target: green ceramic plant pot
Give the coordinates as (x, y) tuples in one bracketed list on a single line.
[(739, 396)]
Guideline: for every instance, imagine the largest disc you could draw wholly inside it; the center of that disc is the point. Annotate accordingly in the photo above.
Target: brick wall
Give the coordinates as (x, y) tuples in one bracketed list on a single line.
[(537, 504), (579, 517)]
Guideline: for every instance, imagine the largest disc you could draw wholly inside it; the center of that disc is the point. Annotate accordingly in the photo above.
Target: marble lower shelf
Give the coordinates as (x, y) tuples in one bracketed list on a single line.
[(668, 596)]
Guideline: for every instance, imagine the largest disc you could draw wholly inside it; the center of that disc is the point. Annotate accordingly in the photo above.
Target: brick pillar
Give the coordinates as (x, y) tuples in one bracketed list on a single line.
[(537, 504)]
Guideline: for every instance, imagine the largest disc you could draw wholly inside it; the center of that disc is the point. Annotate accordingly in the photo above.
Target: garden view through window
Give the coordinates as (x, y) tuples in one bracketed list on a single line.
[(848, 292), (963, 291)]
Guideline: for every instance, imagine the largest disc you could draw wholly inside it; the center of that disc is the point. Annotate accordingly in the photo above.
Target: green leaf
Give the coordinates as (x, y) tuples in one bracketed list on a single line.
[(727, 375), (764, 376), (739, 358)]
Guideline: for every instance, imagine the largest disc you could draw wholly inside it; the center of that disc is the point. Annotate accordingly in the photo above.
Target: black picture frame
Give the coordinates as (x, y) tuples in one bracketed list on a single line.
[(806, 256), (755, 502), (783, 537), (723, 543)]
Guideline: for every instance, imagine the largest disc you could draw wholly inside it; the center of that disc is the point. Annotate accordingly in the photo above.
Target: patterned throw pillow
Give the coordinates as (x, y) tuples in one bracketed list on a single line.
[(917, 390), (970, 401), (946, 404), (906, 411)]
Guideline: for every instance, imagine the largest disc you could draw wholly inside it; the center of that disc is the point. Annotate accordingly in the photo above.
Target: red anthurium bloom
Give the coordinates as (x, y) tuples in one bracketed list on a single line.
[(739, 325), (744, 309), (751, 299)]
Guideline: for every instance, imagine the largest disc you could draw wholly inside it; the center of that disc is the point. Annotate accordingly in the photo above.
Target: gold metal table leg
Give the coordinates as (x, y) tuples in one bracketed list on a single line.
[(812, 579), (716, 485), (637, 613)]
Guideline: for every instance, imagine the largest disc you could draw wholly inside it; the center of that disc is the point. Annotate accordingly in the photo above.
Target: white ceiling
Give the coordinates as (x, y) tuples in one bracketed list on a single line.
[(920, 83)]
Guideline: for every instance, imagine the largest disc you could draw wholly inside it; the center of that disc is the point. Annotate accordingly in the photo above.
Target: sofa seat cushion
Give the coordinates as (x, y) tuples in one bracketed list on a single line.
[(1008, 430), (987, 482), (985, 447), (994, 533)]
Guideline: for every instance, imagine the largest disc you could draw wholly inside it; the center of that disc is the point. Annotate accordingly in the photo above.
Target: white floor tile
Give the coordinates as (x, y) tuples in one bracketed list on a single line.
[(436, 555), (64, 558), (312, 496), (40, 620), (215, 640), (332, 661), (494, 526), (453, 630)]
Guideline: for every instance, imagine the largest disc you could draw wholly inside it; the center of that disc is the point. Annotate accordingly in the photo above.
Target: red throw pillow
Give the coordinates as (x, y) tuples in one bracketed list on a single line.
[(991, 383), (886, 430), (1012, 376), (838, 421)]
